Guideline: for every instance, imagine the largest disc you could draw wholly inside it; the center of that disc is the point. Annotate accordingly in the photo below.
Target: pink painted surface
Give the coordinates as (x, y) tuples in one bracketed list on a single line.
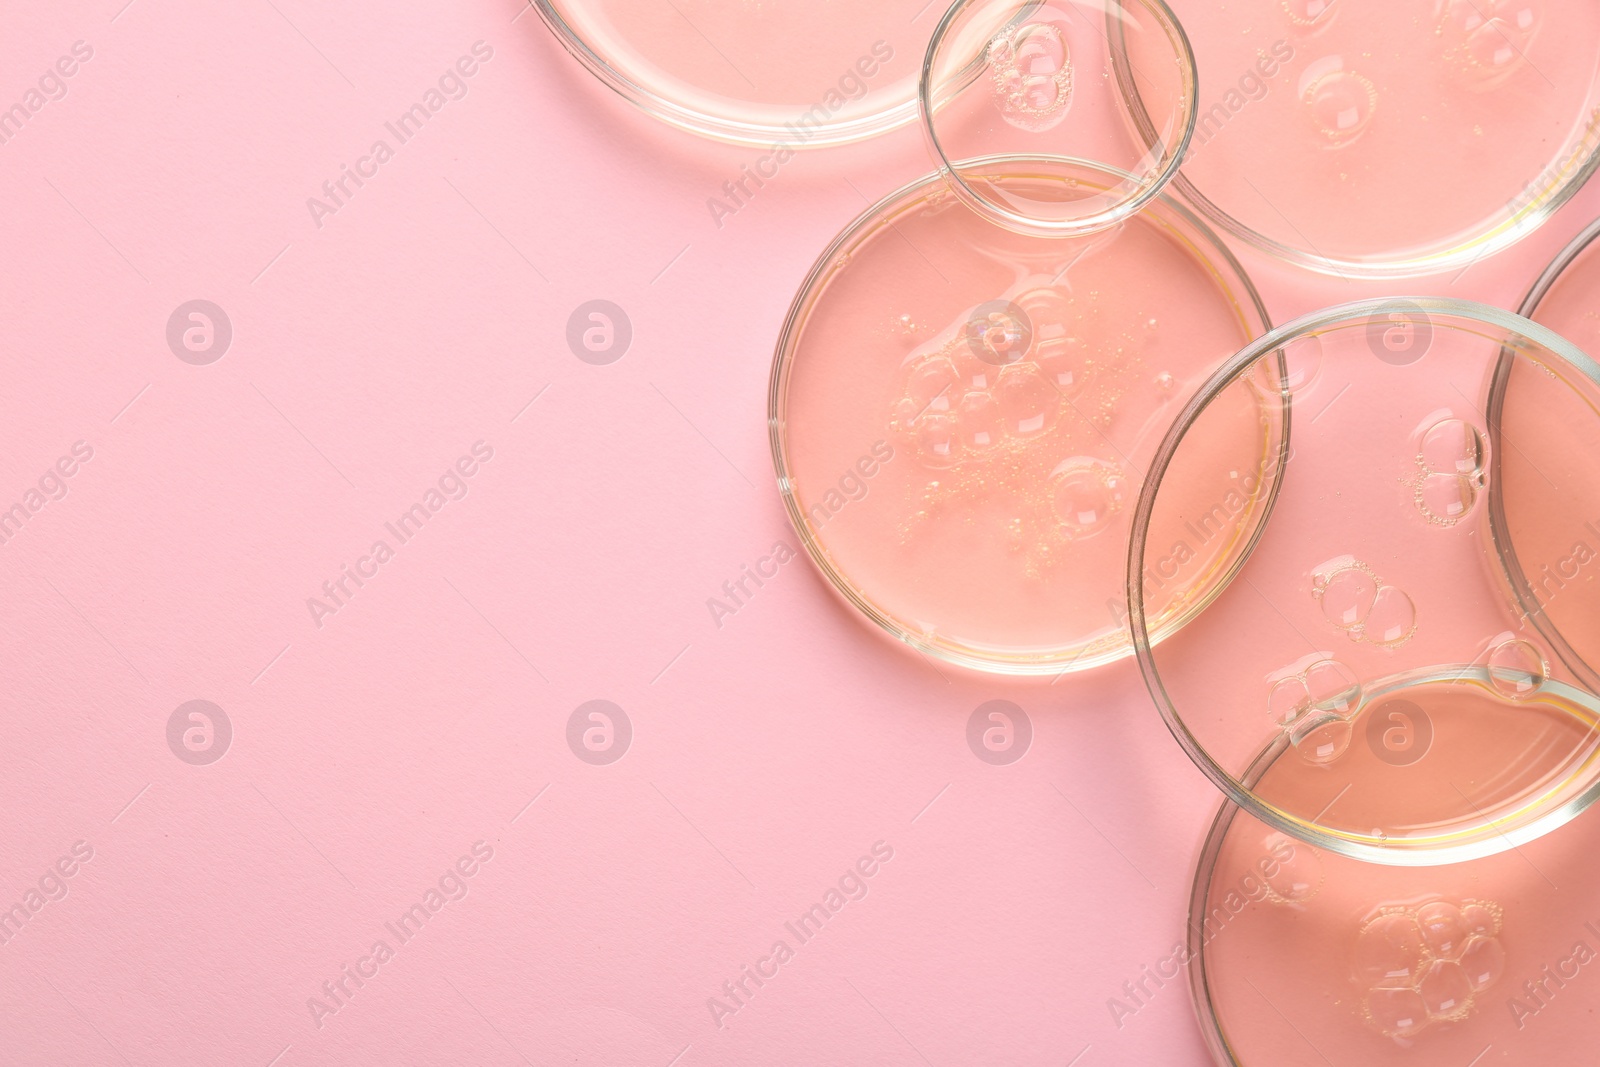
[(424, 721)]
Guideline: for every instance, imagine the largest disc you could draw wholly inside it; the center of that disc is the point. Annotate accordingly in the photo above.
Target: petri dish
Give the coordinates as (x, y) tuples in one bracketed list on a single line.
[(1546, 510), (1373, 633), (960, 416), (1037, 78), (1369, 138), (1294, 954), (783, 74)]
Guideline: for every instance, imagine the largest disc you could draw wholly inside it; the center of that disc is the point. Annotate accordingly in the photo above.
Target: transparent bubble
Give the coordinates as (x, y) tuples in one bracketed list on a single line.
[(1342, 105), (1393, 618), (929, 385), (1310, 14), (1487, 40), (1287, 699), (1299, 877), (1032, 75), (1443, 931), (1028, 402), (1483, 961), (980, 421), (1389, 949), (1063, 366), (1453, 447), (1492, 51), (1321, 737), (1397, 1012), (1517, 669), (1165, 383), (1445, 499), (1086, 493), (1347, 597), (1331, 686), (1480, 919), (937, 444), (1445, 989)]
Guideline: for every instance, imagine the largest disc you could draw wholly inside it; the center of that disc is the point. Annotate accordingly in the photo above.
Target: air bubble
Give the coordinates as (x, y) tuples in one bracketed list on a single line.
[(1165, 383), (1347, 597), (1332, 687), (1027, 401), (1389, 949), (1296, 879), (1087, 493), (1032, 75), (979, 421), (1342, 105), (1397, 1012), (929, 384), (1445, 499), (1287, 699), (1445, 989), (936, 440), (1453, 447), (1393, 618), (1321, 738), (1442, 929), (1517, 669), (1483, 961), (1480, 919), (1310, 15)]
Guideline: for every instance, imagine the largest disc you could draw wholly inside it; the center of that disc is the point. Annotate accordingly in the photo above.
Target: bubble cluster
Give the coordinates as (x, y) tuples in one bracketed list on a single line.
[(1341, 103), (1425, 963), (1313, 702), (1451, 463), (1354, 599), (1486, 41), (1011, 404), (1032, 73)]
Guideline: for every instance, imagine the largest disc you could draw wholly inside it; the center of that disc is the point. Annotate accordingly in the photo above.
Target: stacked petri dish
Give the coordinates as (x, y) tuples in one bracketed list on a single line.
[(1028, 415)]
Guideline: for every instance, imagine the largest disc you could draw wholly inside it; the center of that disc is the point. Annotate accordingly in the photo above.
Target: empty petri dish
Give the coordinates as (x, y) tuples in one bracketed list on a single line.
[(1366, 137), (1370, 634), (960, 417), (1294, 954), (783, 74), (1545, 507), (1037, 78)]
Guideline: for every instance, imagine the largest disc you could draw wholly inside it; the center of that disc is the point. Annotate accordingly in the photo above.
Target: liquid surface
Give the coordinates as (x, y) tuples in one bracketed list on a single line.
[(968, 413), (1311, 957), (1360, 130)]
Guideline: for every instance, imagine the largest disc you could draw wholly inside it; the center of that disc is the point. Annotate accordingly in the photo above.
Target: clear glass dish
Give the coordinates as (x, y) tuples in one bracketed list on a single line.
[(1367, 137), (1376, 632), (960, 415), (1298, 955), (1037, 78), (782, 74)]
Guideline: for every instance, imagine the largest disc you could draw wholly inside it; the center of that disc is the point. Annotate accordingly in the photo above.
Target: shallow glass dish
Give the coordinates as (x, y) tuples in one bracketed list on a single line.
[(1368, 137), (1298, 955), (782, 74), (1038, 78), (960, 416), (1376, 633)]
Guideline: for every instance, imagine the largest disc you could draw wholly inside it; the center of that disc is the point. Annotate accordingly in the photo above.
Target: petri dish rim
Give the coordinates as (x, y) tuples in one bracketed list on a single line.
[(1240, 790), (705, 123), (1134, 105), (1495, 240), (1517, 584), (777, 405)]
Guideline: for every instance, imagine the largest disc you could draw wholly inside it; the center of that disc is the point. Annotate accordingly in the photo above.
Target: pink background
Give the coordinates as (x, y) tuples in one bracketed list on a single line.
[(430, 711)]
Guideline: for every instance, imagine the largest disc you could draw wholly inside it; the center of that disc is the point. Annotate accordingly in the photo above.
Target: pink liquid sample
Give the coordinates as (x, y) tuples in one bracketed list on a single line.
[(1366, 130), (964, 415), (768, 72), (1312, 957)]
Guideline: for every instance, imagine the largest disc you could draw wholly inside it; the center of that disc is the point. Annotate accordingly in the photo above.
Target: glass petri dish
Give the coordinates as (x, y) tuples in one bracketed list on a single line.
[(784, 74), (1298, 955), (1545, 504), (960, 415), (1365, 137), (1035, 78), (1370, 634)]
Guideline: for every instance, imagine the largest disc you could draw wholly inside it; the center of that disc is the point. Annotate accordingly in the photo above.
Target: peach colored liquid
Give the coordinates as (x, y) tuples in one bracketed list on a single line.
[(1311, 957), (1357, 129), (980, 504)]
